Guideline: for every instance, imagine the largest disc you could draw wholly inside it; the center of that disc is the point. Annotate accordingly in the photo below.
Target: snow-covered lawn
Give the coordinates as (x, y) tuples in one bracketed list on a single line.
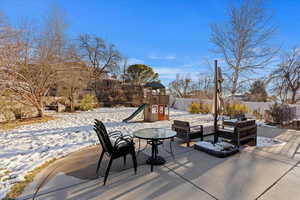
[(27, 147)]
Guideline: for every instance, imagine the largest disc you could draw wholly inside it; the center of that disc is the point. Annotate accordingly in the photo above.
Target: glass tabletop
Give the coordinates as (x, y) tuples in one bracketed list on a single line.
[(154, 133)]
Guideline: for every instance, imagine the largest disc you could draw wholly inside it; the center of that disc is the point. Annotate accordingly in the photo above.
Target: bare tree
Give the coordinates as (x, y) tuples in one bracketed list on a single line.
[(286, 76), (37, 60), (204, 85), (75, 80), (124, 75), (181, 87), (99, 55), (8, 42), (243, 41)]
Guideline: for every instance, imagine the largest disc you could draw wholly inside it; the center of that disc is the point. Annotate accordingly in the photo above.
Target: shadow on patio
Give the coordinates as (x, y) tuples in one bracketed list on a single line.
[(192, 175)]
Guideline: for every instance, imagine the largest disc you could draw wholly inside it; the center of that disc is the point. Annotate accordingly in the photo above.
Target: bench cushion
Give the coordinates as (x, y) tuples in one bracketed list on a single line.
[(195, 129)]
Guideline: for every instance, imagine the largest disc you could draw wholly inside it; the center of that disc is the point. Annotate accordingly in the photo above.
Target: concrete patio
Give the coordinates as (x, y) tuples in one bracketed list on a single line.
[(254, 173)]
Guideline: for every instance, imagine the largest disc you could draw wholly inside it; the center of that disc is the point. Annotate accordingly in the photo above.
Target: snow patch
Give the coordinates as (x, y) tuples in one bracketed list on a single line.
[(219, 146), (267, 142)]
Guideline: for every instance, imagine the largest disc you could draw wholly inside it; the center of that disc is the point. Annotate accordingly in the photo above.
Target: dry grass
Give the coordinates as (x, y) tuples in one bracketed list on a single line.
[(5, 173), (6, 126), (19, 187)]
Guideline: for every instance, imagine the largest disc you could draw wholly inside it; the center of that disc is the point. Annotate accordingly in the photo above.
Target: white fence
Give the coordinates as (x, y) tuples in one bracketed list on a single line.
[(183, 104)]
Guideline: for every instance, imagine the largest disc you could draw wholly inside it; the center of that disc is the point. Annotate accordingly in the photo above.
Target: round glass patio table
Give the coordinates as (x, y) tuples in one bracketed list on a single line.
[(154, 137)]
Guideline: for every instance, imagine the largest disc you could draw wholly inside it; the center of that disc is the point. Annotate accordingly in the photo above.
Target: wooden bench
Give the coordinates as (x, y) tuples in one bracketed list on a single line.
[(187, 132), (242, 131)]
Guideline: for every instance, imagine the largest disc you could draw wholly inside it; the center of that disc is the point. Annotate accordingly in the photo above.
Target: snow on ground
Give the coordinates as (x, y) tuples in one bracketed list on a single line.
[(262, 123), (267, 142), (27, 147), (219, 146)]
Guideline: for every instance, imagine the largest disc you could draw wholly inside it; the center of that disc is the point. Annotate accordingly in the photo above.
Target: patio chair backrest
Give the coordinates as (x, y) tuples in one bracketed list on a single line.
[(181, 126), (103, 127), (242, 124), (103, 137), (246, 127)]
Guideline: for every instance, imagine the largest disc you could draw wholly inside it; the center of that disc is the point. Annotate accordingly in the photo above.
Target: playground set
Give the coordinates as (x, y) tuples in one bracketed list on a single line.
[(155, 105)]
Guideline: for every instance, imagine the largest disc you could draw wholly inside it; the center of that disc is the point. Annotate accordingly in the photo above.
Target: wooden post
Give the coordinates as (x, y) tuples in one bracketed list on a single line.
[(216, 104), (169, 111)]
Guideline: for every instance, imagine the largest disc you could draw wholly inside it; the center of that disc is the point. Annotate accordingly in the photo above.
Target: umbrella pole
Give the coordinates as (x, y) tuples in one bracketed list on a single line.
[(216, 104)]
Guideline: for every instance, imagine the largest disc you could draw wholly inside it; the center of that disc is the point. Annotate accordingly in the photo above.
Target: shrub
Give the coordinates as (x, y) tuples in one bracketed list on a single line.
[(205, 108), (257, 114), (232, 109), (194, 108), (276, 111), (87, 103), (243, 109)]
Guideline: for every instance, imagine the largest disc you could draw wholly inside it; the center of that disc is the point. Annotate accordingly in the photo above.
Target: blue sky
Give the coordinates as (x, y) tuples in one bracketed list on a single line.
[(172, 36)]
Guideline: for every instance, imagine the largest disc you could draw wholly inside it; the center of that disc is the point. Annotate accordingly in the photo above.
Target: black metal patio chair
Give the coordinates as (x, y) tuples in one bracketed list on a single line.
[(115, 145)]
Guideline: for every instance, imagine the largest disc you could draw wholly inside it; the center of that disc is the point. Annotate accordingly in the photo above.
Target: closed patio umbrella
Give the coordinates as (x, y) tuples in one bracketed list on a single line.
[(217, 105)]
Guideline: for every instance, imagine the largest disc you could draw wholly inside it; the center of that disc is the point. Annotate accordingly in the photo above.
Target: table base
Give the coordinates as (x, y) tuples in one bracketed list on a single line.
[(158, 161)]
